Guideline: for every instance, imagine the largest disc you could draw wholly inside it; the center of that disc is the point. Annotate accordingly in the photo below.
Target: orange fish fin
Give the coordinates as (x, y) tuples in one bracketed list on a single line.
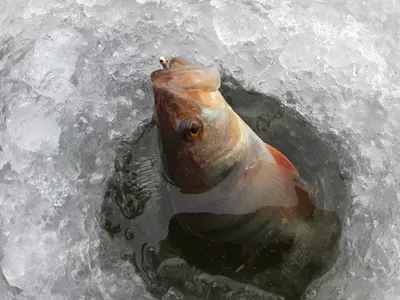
[(281, 159), (278, 189), (305, 204), (269, 184)]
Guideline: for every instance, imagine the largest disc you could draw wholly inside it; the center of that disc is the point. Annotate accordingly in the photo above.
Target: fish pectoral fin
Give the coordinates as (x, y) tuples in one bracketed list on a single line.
[(282, 160), (268, 184), (278, 189), (305, 204)]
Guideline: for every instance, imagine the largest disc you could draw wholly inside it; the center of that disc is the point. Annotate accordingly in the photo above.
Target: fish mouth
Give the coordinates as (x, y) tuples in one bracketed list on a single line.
[(179, 74), (170, 67)]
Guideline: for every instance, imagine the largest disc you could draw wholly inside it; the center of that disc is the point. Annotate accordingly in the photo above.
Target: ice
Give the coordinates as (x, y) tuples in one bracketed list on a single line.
[(75, 79), (32, 130), (248, 26), (51, 63)]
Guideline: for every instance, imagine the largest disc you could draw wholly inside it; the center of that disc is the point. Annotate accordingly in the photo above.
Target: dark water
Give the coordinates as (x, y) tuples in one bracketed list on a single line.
[(177, 266)]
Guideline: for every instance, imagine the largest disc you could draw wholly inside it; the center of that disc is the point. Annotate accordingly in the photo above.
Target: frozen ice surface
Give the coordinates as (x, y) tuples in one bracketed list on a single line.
[(75, 77)]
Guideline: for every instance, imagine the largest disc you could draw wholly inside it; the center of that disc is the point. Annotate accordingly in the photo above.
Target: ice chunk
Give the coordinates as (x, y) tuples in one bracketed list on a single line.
[(247, 27), (51, 63), (32, 129)]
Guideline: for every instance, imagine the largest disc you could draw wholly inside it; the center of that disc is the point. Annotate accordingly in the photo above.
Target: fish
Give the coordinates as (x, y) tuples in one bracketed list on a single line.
[(239, 199), (215, 160)]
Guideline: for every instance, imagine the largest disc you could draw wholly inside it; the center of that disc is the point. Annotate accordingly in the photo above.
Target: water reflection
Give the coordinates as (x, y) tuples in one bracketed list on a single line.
[(205, 255)]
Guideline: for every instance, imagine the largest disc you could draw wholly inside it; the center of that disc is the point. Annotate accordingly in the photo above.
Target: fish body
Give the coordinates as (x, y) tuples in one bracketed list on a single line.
[(222, 168), (238, 199)]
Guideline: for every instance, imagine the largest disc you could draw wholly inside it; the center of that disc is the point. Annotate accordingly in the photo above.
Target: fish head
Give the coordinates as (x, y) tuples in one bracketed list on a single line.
[(198, 132)]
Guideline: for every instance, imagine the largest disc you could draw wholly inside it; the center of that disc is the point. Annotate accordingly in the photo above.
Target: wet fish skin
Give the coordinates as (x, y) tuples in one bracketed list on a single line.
[(225, 169), (239, 200)]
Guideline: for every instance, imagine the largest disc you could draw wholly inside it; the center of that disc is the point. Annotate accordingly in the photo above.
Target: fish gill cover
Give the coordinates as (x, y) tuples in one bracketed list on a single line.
[(75, 80)]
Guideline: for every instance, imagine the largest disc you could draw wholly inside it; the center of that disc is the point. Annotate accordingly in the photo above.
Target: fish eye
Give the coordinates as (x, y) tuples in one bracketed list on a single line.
[(190, 129), (194, 128)]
